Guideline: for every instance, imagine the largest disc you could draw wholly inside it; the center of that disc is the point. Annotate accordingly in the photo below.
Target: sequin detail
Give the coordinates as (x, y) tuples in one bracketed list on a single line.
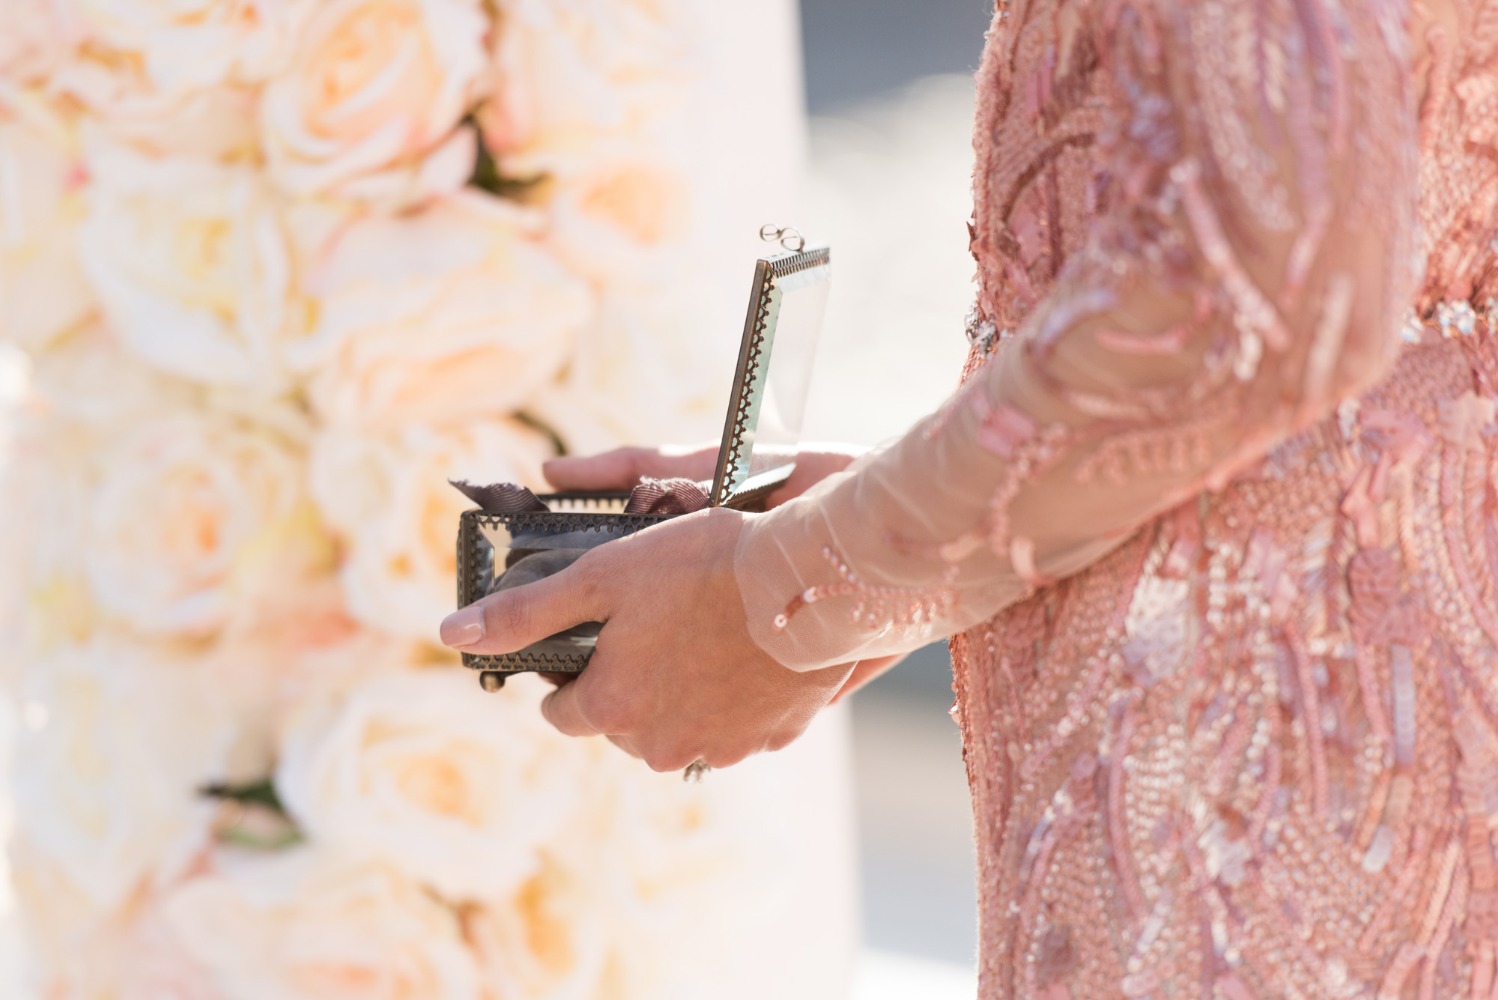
[(1451, 319), (873, 606), (1234, 732), (983, 335), (1285, 693)]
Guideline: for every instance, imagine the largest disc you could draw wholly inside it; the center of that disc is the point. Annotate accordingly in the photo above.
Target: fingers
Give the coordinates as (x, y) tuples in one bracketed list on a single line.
[(670, 758), (863, 672), (509, 620), (626, 744), (622, 468), (611, 470), (583, 709), (561, 709), (568, 708), (575, 710)]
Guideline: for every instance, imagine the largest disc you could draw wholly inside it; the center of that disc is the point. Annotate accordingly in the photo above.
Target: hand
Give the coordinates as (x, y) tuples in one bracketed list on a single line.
[(865, 671), (622, 468), (675, 677)]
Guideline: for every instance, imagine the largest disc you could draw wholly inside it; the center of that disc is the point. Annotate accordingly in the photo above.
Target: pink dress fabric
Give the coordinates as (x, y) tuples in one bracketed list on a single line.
[(1215, 506)]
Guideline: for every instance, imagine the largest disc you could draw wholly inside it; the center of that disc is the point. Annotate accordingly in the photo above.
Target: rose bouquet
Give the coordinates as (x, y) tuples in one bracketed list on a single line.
[(275, 270)]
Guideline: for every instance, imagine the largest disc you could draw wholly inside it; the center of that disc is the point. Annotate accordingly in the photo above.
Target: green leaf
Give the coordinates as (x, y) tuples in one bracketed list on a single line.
[(289, 836), (257, 793), (261, 822), (486, 174)]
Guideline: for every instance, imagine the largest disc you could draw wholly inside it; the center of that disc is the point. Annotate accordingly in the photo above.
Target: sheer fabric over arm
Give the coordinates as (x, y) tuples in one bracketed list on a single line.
[(1249, 268)]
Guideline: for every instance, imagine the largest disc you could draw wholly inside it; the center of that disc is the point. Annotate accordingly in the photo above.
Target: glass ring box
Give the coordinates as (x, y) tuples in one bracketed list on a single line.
[(516, 537)]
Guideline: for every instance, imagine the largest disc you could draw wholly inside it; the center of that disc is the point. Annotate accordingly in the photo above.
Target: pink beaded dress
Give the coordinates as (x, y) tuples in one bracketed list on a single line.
[(1216, 510)]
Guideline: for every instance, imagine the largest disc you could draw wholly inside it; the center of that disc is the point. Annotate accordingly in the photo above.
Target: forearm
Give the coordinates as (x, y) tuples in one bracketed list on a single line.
[(1188, 336)]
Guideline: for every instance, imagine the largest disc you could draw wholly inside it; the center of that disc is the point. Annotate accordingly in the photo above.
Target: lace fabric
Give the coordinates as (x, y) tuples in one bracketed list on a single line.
[(1214, 507), (1246, 265)]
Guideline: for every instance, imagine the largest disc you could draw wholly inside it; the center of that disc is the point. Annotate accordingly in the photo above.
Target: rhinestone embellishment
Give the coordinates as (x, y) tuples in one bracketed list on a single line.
[(984, 334), (1455, 319)]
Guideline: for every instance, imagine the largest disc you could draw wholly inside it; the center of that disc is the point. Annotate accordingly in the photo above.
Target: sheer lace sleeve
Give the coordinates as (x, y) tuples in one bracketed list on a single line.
[(1247, 267)]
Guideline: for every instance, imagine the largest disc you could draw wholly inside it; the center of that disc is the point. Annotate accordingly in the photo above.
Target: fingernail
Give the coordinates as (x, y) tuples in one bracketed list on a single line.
[(463, 627)]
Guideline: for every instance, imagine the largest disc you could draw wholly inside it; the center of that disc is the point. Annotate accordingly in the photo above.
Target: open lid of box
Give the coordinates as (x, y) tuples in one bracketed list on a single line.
[(518, 537), (768, 404)]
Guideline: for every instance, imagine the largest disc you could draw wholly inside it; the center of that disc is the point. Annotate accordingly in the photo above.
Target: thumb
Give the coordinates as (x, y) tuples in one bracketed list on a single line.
[(510, 620)]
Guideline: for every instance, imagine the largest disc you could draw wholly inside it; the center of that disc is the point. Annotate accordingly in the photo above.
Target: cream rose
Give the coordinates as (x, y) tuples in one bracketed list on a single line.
[(116, 739), (678, 886), (618, 213), (448, 314), (548, 938), (172, 77), (653, 889), (58, 917), (185, 46), (77, 948), (419, 770), (80, 391), (212, 124), (669, 852), (35, 37), (388, 500), (43, 292), (569, 75), (190, 263), (643, 372), (196, 521), (45, 488), (90, 377), (309, 925), (376, 87), (303, 640)]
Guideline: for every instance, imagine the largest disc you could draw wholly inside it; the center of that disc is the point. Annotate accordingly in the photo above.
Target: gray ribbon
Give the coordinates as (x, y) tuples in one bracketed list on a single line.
[(501, 498)]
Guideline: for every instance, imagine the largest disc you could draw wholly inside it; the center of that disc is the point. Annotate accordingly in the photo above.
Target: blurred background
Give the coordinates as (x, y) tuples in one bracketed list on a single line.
[(890, 90), (889, 87)]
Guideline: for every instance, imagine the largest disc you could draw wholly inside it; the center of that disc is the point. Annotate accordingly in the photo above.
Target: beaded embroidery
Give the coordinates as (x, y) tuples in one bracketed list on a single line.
[(983, 335), (1248, 745), (1452, 319)]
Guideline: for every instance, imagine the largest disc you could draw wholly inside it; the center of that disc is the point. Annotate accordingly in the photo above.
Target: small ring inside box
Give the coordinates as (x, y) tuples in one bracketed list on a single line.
[(517, 537)]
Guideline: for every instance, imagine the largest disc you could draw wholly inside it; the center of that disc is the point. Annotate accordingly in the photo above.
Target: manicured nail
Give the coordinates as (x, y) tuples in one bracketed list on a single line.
[(463, 627)]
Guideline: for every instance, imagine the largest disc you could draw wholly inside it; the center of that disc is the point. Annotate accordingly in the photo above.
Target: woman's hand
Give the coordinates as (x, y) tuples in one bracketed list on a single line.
[(675, 677), (622, 468), (865, 671)]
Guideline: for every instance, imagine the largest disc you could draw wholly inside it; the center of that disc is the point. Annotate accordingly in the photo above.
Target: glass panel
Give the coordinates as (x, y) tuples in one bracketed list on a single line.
[(506, 551), (792, 344), (768, 408), (524, 556), (499, 551)]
